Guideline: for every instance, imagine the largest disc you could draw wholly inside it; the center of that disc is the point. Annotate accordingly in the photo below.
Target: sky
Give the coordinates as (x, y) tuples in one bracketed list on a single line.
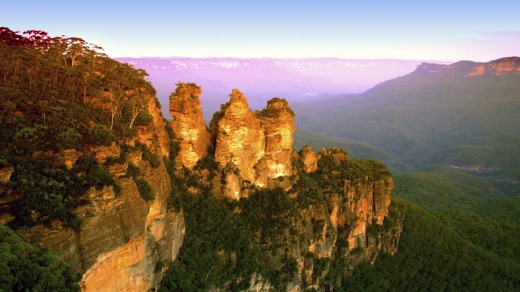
[(374, 29)]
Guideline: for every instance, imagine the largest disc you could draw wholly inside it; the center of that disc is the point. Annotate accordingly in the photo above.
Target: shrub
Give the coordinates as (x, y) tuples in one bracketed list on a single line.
[(101, 135), (144, 188)]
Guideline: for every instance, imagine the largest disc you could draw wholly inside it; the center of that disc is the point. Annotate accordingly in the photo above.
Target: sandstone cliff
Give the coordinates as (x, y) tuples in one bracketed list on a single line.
[(500, 67), (259, 145), (316, 211), (188, 124), (250, 148), (125, 241)]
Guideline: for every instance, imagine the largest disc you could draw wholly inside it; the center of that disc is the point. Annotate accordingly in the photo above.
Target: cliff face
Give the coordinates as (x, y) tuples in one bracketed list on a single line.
[(124, 240), (355, 226), (188, 124), (338, 208), (259, 145), (500, 67)]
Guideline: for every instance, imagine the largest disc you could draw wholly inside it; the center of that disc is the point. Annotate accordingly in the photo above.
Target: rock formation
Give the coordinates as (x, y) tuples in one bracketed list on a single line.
[(259, 145), (239, 136), (339, 220), (309, 159), (188, 124), (500, 67)]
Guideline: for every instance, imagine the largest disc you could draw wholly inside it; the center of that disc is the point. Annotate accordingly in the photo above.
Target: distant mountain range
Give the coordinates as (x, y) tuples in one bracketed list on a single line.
[(464, 116), (264, 78)]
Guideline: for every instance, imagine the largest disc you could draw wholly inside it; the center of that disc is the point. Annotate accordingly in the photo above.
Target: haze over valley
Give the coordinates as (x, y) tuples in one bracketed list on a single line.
[(263, 78)]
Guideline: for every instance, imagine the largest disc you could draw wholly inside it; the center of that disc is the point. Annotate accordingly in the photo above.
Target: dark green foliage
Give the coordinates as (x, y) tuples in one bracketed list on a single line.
[(148, 155), (145, 190), (24, 267), (69, 139), (207, 162), (51, 190), (437, 256), (132, 170), (46, 189), (101, 135), (224, 246), (92, 172), (56, 94)]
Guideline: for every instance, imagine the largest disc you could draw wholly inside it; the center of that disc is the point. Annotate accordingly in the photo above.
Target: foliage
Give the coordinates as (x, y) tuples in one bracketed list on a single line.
[(24, 267), (148, 155), (145, 190), (101, 135), (60, 93), (436, 256)]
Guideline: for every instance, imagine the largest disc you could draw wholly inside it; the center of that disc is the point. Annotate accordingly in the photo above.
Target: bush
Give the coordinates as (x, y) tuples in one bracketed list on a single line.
[(70, 139), (148, 155), (24, 267), (144, 188), (101, 135)]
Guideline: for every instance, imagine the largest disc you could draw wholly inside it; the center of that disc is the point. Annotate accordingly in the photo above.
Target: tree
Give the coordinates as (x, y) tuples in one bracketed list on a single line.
[(24, 267)]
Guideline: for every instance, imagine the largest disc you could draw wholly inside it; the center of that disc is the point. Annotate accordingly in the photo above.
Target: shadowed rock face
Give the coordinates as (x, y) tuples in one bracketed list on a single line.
[(188, 124)]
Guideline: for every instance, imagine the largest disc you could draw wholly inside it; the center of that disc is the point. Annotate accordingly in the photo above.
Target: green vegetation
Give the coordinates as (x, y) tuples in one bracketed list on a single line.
[(421, 120), (458, 139), (60, 93), (434, 255), (26, 267), (226, 242), (355, 149)]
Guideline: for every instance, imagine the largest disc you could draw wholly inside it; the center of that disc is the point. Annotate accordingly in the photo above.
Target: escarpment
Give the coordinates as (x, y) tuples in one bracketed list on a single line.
[(125, 237), (82, 165), (499, 67)]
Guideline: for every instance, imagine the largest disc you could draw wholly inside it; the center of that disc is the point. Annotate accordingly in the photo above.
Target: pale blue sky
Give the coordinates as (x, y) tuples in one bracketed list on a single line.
[(427, 30)]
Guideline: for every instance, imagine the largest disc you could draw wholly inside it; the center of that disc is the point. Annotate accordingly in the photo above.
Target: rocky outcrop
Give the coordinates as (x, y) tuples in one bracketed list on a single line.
[(309, 159), (500, 67), (461, 68), (350, 223), (239, 136), (259, 145), (188, 124), (338, 208), (5, 174), (277, 119)]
